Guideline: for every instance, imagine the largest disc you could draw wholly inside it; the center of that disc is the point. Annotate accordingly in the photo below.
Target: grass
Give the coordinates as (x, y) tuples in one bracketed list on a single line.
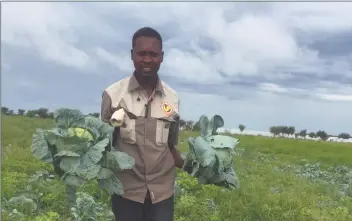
[(292, 149), (266, 194)]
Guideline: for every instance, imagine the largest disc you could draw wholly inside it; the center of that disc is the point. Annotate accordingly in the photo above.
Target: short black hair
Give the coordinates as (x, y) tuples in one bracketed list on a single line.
[(146, 32)]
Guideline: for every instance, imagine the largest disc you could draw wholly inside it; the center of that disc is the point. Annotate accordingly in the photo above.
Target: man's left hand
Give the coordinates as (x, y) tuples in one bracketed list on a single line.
[(177, 157)]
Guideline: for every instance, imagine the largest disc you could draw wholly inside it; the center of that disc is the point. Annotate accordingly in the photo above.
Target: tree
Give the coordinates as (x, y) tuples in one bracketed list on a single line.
[(21, 112), (31, 113), (97, 115), (241, 127), (51, 115), (344, 136), (284, 130), (196, 126), (303, 133), (4, 110), (189, 124), (276, 130), (10, 112), (311, 134), (182, 123), (291, 130), (322, 134), (279, 129), (43, 112)]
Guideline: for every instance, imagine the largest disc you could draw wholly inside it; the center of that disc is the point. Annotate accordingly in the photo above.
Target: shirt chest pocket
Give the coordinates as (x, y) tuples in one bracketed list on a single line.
[(128, 130), (162, 131)]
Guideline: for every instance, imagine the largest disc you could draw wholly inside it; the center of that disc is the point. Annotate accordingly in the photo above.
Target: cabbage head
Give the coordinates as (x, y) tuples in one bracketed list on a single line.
[(80, 132), (210, 156), (79, 148)]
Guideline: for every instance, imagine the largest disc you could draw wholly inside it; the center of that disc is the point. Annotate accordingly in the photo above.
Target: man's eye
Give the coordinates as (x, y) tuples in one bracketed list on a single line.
[(144, 53)]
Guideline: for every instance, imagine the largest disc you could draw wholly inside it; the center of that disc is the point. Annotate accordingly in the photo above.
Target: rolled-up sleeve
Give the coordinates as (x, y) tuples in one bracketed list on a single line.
[(174, 132), (106, 110)]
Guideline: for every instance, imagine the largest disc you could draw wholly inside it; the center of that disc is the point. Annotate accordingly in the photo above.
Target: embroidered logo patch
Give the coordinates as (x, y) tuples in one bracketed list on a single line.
[(166, 108)]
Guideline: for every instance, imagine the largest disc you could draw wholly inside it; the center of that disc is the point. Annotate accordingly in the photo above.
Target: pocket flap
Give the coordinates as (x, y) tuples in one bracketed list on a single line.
[(167, 119)]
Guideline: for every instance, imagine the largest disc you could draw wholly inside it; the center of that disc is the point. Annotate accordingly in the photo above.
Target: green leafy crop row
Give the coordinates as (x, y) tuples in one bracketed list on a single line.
[(276, 183)]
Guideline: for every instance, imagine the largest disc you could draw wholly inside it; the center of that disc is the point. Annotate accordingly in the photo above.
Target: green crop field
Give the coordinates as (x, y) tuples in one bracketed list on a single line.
[(281, 180)]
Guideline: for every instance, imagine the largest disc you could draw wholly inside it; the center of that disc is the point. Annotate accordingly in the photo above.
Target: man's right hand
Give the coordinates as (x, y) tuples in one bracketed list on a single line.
[(177, 158)]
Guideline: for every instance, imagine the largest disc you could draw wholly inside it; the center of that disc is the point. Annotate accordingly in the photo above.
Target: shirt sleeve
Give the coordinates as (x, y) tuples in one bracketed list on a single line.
[(105, 114), (174, 132), (106, 110)]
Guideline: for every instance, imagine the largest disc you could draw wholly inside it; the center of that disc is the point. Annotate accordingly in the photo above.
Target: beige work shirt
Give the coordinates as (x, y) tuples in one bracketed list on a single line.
[(150, 129)]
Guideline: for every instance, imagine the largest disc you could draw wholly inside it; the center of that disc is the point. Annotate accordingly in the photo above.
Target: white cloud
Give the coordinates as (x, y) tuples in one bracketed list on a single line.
[(27, 84), (335, 97), (269, 109), (205, 43), (334, 92), (269, 87), (44, 27), (189, 67), (253, 44), (51, 29), (249, 46), (123, 63), (323, 17)]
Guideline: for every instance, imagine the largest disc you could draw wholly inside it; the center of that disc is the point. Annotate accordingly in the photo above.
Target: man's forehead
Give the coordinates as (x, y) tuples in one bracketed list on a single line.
[(148, 44)]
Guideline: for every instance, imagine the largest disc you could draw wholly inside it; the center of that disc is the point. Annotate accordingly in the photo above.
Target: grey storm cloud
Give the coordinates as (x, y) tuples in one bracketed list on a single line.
[(335, 44), (285, 55)]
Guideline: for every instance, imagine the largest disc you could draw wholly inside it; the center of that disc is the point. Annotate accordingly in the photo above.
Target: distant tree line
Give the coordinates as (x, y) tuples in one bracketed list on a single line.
[(281, 130), (187, 125), (196, 127), (41, 112), (290, 130)]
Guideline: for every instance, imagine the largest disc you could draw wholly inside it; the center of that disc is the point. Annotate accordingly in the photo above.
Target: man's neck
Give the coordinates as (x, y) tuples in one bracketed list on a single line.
[(148, 83)]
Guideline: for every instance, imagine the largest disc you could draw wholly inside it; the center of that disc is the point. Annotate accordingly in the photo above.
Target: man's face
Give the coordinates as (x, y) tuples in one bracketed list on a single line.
[(147, 56)]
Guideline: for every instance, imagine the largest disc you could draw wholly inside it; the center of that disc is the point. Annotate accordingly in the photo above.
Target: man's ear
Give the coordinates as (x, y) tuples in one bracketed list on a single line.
[(162, 56), (131, 54)]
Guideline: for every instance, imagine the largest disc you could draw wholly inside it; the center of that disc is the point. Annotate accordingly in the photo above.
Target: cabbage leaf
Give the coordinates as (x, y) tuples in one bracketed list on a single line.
[(210, 156), (79, 148)]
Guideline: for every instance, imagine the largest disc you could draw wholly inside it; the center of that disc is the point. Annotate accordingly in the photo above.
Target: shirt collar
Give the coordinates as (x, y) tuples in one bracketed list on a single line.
[(134, 85)]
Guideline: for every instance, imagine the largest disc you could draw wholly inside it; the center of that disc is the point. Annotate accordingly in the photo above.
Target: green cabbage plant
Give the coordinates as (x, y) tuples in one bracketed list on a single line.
[(79, 147), (210, 156)]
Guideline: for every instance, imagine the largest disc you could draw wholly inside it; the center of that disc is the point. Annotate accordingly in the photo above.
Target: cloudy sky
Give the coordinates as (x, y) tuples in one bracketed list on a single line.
[(259, 64)]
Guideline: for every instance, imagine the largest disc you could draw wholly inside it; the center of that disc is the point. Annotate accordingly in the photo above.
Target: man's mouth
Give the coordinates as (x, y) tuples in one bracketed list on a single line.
[(147, 69)]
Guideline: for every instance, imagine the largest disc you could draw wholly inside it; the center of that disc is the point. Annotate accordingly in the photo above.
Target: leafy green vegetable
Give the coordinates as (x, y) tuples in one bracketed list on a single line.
[(210, 158), (79, 147), (86, 208)]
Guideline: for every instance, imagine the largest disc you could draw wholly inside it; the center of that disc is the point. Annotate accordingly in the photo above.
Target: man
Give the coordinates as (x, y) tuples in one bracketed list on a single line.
[(149, 134)]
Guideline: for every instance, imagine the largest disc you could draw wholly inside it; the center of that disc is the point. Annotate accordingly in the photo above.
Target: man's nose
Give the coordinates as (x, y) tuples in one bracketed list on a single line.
[(147, 59)]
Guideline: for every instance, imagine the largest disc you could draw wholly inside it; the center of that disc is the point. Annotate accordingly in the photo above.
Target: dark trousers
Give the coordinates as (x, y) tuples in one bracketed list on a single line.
[(128, 210)]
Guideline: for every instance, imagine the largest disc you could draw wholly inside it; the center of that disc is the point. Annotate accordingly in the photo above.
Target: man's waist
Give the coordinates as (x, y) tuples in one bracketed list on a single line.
[(143, 174)]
